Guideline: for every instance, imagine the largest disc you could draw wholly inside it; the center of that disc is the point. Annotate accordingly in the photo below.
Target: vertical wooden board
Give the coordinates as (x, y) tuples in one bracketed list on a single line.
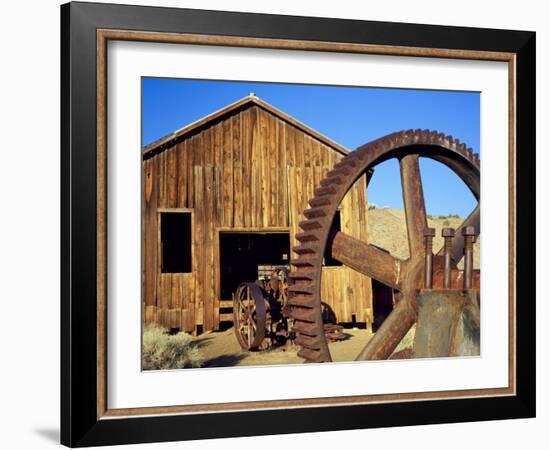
[(345, 213), (217, 149), (245, 149), (298, 148), (291, 180), (289, 147), (198, 239), (171, 177), (215, 278), (277, 197), (186, 289), (206, 137), (316, 176), (186, 321), (227, 143), (283, 182), (209, 262), (175, 319), (324, 287), (181, 175), (363, 203), (165, 291), (256, 170), (207, 229), (354, 293), (308, 180), (162, 179), (324, 160), (236, 126), (328, 281), (271, 165), (176, 290), (307, 151), (190, 163), (189, 319), (264, 171), (150, 233), (301, 198), (316, 152)]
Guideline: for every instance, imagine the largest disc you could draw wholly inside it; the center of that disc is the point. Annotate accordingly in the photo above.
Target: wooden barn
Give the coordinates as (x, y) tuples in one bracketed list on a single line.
[(223, 196)]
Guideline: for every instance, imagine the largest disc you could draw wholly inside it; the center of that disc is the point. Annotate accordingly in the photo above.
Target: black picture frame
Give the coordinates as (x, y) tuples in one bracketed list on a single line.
[(80, 425)]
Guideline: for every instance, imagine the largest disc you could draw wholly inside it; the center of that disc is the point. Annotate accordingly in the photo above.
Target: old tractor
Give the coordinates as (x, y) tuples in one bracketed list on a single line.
[(261, 315), (430, 290)]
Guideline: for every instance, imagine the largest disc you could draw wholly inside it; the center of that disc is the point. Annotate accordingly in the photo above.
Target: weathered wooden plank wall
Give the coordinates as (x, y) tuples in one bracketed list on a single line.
[(249, 170)]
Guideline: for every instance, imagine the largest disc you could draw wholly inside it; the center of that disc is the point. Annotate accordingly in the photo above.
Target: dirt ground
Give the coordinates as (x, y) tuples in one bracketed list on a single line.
[(220, 349)]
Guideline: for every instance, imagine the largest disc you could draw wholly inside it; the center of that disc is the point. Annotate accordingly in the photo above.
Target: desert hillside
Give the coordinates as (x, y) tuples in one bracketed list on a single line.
[(387, 229)]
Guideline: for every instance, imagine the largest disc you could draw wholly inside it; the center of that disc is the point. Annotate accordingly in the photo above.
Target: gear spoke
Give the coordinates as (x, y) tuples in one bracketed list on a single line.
[(368, 259), (413, 200), (392, 331)]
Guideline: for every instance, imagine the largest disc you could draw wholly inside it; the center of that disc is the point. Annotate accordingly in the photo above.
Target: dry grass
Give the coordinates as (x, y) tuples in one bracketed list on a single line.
[(161, 350)]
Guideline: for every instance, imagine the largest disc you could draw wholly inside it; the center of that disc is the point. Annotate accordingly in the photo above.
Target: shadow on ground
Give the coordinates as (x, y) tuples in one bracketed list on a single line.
[(225, 360), (201, 342)]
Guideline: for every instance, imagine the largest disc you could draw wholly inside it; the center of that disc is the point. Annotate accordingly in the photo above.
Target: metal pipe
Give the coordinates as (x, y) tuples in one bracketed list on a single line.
[(448, 234), (429, 234), (469, 237)]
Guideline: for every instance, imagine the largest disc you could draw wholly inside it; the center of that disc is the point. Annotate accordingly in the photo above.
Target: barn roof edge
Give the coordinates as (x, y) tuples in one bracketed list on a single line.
[(161, 144)]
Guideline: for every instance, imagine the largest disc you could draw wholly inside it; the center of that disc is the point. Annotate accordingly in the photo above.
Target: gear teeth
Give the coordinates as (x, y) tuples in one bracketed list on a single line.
[(476, 158), (469, 153), (309, 329), (305, 314), (301, 301), (332, 181), (320, 201), (307, 237), (309, 342), (325, 190), (303, 249), (348, 161), (318, 211), (302, 288), (311, 356), (304, 261), (462, 148), (302, 274), (312, 224), (340, 171)]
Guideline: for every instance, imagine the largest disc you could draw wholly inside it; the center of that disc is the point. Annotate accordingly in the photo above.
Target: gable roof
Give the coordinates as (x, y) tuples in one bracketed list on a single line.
[(166, 141)]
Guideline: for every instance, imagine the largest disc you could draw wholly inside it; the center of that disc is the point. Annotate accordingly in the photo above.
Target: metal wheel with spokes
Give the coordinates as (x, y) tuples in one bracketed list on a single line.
[(249, 315)]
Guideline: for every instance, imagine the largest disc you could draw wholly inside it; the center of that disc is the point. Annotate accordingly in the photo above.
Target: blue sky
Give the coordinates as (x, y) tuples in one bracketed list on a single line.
[(351, 116)]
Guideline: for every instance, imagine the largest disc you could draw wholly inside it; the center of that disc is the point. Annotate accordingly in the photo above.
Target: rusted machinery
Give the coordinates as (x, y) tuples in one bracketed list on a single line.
[(260, 311), (419, 282), (261, 315)]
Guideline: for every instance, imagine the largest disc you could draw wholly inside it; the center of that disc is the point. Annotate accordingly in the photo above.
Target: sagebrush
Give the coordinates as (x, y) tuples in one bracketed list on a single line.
[(161, 350)]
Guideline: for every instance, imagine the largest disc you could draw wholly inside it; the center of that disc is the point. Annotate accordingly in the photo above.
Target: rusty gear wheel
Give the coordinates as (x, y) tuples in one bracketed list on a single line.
[(404, 276)]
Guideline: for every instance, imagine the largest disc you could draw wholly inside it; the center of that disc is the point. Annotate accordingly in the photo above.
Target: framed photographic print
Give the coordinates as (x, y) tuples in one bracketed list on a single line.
[(277, 224)]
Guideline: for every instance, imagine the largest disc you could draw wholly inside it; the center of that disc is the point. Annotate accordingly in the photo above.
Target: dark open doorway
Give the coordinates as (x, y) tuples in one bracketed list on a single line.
[(242, 253), (382, 301)]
